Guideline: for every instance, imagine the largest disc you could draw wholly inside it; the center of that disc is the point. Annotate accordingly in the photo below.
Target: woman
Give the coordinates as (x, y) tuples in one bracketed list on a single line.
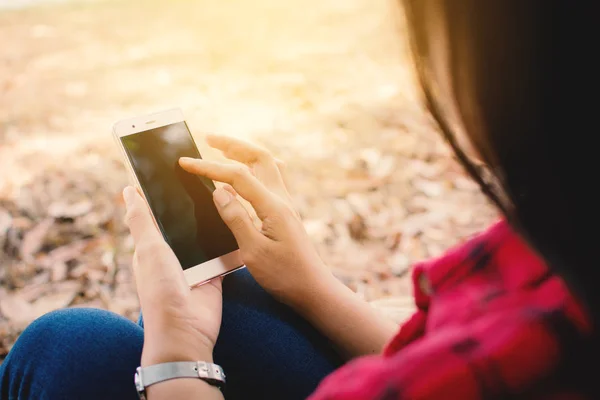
[(493, 320)]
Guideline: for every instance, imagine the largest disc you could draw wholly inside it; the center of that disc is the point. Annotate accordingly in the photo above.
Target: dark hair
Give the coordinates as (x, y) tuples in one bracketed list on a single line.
[(509, 73)]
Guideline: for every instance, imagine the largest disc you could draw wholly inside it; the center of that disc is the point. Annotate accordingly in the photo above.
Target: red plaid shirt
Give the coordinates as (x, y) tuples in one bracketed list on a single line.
[(492, 322)]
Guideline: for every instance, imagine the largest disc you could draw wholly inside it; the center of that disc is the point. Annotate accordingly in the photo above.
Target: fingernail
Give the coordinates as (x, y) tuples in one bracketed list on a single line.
[(222, 197), (129, 194), (186, 160)]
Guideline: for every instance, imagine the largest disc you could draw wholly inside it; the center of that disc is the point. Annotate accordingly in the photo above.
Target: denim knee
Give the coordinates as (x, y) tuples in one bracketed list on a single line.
[(73, 353)]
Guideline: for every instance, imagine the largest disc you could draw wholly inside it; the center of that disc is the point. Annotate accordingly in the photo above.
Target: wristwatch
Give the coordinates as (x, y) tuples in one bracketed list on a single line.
[(208, 372)]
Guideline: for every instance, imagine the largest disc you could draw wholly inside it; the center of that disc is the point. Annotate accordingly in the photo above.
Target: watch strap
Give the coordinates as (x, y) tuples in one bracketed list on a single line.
[(147, 376)]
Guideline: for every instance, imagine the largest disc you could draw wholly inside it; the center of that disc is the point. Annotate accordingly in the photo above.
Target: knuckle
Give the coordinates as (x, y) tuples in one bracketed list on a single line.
[(132, 217), (240, 173), (286, 212), (235, 220), (285, 215), (280, 164), (262, 154), (250, 257)]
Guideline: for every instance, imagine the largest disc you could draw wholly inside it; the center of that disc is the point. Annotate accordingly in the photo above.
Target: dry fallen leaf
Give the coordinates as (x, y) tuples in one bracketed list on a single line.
[(384, 168), (41, 278), (64, 254), (318, 229), (22, 223), (429, 188), (90, 304), (66, 210), (14, 308), (122, 305), (58, 271), (5, 224), (108, 261), (393, 241), (357, 228), (54, 301), (399, 264), (33, 292), (102, 214), (67, 286), (34, 239)]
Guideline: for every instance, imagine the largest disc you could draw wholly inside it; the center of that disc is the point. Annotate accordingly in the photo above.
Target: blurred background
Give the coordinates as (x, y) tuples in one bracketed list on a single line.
[(326, 85)]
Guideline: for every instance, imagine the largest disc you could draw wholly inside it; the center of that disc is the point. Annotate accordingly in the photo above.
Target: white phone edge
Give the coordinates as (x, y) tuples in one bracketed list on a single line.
[(206, 271)]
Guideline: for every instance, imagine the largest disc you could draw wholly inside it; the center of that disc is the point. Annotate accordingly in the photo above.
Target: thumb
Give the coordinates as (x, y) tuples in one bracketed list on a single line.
[(138, 217), (158, 274), (236, 218)]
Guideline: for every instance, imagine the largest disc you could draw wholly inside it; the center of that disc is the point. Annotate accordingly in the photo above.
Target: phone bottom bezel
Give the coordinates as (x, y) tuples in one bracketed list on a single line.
[(211, 269)]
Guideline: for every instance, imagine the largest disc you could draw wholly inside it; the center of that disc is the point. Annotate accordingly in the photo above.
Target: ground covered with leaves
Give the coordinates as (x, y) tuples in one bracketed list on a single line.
[(326, 85)]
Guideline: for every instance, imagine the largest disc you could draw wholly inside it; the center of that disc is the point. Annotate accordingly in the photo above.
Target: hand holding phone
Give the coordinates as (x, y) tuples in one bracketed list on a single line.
[(181, 203), (179, 324)]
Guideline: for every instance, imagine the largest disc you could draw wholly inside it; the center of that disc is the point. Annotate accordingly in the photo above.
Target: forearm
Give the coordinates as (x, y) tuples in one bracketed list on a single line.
[(349, 322)]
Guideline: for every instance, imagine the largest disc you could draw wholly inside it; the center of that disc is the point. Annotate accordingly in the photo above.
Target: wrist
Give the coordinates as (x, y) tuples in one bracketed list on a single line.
[(153, 356), (313, 291)]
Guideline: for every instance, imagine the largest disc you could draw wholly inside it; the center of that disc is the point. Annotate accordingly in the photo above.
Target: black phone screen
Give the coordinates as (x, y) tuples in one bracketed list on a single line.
[(182, 203)]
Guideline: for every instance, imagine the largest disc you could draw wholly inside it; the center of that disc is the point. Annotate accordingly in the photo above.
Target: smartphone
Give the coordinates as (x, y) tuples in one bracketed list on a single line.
[(181, 203)]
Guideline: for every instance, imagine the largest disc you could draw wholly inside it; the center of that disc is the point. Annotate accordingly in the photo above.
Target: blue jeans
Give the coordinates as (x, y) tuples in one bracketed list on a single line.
[(267, 351)]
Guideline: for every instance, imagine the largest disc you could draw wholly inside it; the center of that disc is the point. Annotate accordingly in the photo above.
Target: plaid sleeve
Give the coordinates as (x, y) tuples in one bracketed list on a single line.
[(488, 359), (492, 322)]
